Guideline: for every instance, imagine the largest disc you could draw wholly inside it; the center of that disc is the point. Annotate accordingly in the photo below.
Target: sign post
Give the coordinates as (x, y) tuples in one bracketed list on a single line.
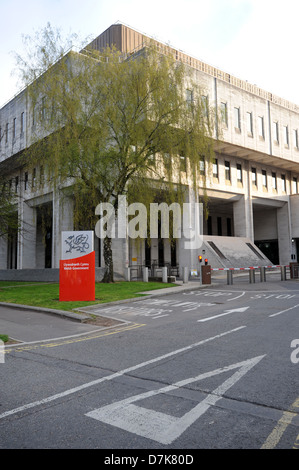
[(77, 266)]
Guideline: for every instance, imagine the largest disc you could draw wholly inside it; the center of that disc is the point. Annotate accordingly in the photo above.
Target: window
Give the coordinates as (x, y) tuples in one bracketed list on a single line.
[(41, 175), (183, 163), (14, 129), (6, 133), (283, 183), (286, 135), (33, 177), (152, 160), (274, 181), (295, 185), (189, 96), (22, 123), (202, 166), (295, 135), (261, 127), (16, 184), (237, 121), (264, 178), (239, 173), (227, 170), (215, 169), (223, 113), (275, 132), (26, 181), (205, 106), (249, 124), (254, 176)]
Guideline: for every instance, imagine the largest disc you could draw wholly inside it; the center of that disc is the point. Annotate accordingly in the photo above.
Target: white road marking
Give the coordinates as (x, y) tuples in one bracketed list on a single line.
[(283, 311), (113, 376), (234, 310), (162, 427)]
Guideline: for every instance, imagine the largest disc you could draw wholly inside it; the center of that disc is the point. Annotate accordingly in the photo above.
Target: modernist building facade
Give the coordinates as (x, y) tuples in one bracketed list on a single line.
[(252, 186)]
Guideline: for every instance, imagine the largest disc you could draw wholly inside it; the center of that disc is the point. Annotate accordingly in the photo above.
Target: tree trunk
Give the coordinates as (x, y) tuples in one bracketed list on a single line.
[(108, 276)]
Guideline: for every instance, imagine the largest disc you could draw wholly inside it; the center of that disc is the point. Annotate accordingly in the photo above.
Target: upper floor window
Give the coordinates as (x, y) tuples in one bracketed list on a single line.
[(275, 132), (254, 176), (22, 122), (189, 96), (286, 135), (264, 178), (14, 128), (249, 124), (296, 141), (274, 181), (223, 113), (261, 127), (295, 185), (205, 105), (283, 183), (239, 173), (237, 119), (215, 168), (227, 170), (6, 133)]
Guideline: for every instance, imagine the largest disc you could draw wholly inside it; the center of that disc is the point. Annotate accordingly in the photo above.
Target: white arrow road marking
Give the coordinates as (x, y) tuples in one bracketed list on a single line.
[(116, 374), (162, 427), (234, 310)]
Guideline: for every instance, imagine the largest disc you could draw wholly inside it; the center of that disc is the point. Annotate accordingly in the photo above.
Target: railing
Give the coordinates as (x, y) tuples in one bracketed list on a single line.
[(262, 270)]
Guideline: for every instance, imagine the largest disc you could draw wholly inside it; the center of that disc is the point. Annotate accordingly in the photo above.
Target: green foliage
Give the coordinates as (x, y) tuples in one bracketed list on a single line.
[(101, 118)]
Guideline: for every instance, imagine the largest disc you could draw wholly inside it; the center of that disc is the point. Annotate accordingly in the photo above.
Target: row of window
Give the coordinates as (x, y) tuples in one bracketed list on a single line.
[(4, 133), (14, 183), (261, 126), (227, 172)]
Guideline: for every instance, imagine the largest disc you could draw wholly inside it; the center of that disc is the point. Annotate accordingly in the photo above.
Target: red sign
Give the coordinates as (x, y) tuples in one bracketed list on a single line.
[(77, 274)]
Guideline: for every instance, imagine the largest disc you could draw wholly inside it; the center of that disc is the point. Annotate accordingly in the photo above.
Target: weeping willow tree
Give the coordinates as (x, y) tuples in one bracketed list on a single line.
[(108, 125), (9, 220)]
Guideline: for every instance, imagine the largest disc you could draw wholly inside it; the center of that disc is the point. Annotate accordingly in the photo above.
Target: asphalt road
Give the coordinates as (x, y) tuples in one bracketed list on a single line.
[(215, 368)]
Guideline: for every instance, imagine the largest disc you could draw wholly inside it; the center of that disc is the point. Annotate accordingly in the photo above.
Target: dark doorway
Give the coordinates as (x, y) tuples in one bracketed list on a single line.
[(270, 249)]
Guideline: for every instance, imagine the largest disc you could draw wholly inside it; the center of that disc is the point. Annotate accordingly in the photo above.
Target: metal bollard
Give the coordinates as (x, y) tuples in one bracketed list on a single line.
[(185, 275), (145, 274), (263, 273), (229, 276), (283, 270), (164, 274), (251, 276)]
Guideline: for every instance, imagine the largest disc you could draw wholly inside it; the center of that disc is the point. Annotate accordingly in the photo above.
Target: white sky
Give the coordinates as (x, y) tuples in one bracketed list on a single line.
[(255, 40)]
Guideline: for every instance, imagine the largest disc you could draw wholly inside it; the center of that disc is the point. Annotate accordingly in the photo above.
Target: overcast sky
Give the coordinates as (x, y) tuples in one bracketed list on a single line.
[(255, 40)]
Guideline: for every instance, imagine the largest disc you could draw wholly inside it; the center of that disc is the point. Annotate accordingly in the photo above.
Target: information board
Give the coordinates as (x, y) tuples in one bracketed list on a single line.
[(77, 266)]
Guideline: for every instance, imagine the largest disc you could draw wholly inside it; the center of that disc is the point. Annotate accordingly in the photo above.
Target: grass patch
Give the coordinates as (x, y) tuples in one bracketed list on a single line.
[(47, 295), (4, 338)]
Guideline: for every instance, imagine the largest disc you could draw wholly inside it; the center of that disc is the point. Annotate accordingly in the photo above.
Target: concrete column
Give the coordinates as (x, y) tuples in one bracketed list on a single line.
[(62, 221), (27, 237), (243, 218), (284, 234), (243, 213), (187, 250), (3, 253)]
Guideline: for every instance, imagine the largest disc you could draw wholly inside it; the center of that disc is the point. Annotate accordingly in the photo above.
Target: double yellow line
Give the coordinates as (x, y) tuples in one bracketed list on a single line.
[(286, 419), (62, 342)]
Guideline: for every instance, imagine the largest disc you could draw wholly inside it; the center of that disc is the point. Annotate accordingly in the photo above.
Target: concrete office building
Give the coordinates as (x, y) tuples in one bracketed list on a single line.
[(252, 186)]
